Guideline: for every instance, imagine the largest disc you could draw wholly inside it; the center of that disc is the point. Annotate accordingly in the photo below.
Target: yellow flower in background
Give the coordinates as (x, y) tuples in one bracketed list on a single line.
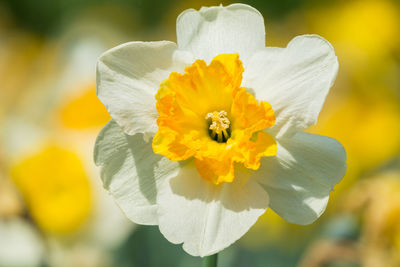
[(84, 110), (361, 29), (226, 115), (56, 189)]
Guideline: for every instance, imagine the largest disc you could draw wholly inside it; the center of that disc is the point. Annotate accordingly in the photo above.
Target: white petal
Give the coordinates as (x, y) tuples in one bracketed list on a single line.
[(216, 30), (294, 80), (301, 176), (205, 217), (131, 172), (128, 77)]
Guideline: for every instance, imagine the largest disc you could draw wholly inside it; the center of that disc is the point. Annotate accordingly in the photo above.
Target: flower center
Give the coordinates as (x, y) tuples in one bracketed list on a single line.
[(219, 126), (206, 114)]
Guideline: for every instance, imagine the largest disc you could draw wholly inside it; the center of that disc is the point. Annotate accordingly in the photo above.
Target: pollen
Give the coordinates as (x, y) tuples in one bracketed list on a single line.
[(219, 126)]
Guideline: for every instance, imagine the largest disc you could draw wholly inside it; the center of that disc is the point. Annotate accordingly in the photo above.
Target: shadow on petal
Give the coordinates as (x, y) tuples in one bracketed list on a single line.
[(236, 196)]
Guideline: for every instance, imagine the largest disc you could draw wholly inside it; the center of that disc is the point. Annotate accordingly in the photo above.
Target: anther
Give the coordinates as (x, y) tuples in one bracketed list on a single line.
[(219, 126)]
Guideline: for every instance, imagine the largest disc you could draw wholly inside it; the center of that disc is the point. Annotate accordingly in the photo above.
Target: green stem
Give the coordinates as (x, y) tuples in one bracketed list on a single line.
[(210, 261)]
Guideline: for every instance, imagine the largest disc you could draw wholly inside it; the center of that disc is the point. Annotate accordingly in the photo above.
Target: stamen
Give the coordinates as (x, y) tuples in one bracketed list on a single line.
[(219, 126)]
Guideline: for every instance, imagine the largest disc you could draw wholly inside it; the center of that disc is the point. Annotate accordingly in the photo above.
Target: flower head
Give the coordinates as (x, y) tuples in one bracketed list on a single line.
[(52, 191), (224, 114)]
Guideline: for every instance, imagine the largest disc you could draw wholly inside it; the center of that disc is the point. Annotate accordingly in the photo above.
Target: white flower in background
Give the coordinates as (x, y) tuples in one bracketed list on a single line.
[(20, 244), (226, 116)]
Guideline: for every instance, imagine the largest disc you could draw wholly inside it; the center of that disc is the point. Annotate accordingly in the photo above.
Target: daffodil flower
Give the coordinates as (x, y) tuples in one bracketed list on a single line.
[(225, 116)]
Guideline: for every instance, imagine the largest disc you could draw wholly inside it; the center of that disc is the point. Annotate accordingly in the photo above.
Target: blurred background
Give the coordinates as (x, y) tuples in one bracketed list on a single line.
[(53, 209)]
